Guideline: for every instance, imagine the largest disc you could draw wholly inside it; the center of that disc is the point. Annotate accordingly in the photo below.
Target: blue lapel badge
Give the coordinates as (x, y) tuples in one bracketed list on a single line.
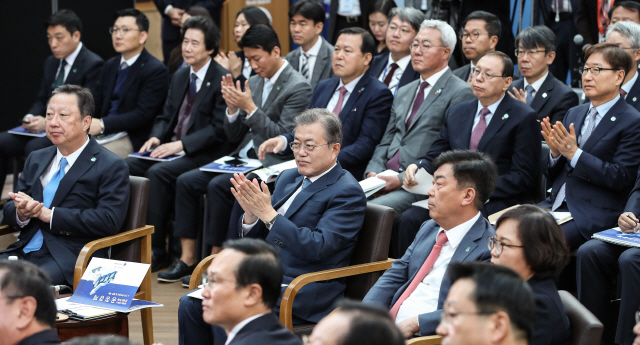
[(635, 99), (468, 248), (278, 87), (544, 95), (208, 84), (438, 92), (75, 70), (142, 65), (361, 90), (613, 118), (506, 116), (93, 159)]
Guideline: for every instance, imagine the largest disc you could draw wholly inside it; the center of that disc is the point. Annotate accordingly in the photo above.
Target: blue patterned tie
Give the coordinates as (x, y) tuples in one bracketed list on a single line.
[(47, 197), (529, 97), (305, 183)]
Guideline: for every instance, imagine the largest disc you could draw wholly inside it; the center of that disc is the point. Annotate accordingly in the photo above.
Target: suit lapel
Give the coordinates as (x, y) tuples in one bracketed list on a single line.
[(438, 88), (468, 243), (404, 106), (634, 93), (325, 96), (357, 92), (73, 71), (607, 122), (290, 189), (277, 86), (467, 123), (203, 93), (497, 121), (84, 162), (377, 68), (136, 70), (546, 89), (295, 59), (320, 184), (408, 76), (36, 188), (323, 55)]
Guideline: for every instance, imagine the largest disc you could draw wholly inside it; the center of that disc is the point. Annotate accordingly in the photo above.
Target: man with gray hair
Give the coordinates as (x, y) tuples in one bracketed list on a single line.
[(394, 69), (418, 111), (626, 34)]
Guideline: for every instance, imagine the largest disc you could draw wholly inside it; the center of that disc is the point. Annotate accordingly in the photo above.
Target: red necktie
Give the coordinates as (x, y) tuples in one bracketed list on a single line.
[(623, 93), (477, 133), (392, 68), (422, 272), (338, 107)]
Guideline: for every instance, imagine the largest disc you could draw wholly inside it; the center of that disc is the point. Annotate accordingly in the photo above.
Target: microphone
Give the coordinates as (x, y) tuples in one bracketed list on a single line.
[(578, 39)]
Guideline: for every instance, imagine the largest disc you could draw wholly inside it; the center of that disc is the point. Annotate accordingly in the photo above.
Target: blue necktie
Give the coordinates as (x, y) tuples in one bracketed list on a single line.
[(305, 183), (529, 96), (47, 197), (193, 88)]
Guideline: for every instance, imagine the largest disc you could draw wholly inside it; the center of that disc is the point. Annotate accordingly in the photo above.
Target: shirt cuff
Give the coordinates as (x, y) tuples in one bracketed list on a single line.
[(166, 9), (232, 117), (21, 223), (553, 161), (576, 156), (247, 227), (102, 125), (253, 112), (286, 143)]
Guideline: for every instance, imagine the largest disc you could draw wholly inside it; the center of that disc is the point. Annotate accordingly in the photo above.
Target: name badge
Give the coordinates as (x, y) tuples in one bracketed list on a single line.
[(346, 6)]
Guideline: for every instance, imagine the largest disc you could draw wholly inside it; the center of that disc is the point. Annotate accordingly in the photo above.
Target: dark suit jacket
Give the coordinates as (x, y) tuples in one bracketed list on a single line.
[(463, 72), (553, 100), (364, 118), (396, 279), (84, 72), (205, 133), (607, 168), (512, 140), (318, 232), (333, 13), (171, 32), (633, 97), (587, 20), (322, 69), (380, 62), (46, 337), (141, 97), (552, 324), (91, 202), (545, 16), (266, 329)]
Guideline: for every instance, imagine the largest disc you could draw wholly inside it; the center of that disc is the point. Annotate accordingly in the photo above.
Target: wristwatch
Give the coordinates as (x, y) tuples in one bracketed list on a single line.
[(270, 223)]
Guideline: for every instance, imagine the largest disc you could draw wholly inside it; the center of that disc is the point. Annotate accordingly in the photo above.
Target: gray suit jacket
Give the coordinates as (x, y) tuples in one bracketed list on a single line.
[(289, 96), (322, 69), (425, 126), (396, 279), (463, 72)]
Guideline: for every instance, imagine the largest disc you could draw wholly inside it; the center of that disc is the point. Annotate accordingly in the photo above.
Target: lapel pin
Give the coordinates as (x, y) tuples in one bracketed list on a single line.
[(544, 95), (438, 92), (506, 116), (93, 159), (613, 118), (635, 99), (208, 84), (354, 109), (361, 89), (278, 87), (75, 70), (142, 65), (468, 248)]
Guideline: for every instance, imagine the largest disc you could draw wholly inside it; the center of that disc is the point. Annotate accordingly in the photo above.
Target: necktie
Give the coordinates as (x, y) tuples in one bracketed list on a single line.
[(266, 90), (392, 68), (60, 78), (473, 69), (47, 197), (124, 65), (623, 93), (477, 133), (193, 87), (590, 123), (305, 183), (416, 104), (422, 272), (338, 106), (304, 68), (530, 91)]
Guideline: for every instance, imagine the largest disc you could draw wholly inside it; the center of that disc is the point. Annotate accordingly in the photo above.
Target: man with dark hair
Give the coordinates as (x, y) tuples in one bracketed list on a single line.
[(497, 306), (395, 69), (595, 151), (132, 89), (244, 308), (314, 217), (626, 34), (313, 56), (365, 107), (266, 108), (192, 121), (69, 194), (499, 126), (354, 323), (480, 34), (560, 17), (71, 63), (625, 11), (539, 89), (27, 305), (417, 112), (415, 286)]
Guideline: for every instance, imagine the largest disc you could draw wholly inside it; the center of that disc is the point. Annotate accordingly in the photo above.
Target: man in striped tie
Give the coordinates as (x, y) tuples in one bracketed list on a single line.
[(415, 287)]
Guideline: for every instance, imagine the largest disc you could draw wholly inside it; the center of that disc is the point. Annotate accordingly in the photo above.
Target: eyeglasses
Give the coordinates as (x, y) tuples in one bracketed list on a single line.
[(208, 282), (424, 48), (473, 35), (595, 71), (494, 242), (476, 72), (524, 52), (116, 30), (308, 148), (446, 317)]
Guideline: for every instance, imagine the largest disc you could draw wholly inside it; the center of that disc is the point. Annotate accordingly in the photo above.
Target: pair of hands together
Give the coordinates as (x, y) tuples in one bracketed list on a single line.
[(231, 62), (254, 198), (28, 208), (235, 97)]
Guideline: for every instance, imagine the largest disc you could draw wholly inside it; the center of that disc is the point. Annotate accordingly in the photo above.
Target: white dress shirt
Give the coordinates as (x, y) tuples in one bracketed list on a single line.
[(237, 328), (397, 74), (536, 85), (283, 209), (336, 94), (432, 80), (424, 299), (312, 56), (202, 72), (53, 167), (131, 60), (628, 85), (70, 59), (492, 108)]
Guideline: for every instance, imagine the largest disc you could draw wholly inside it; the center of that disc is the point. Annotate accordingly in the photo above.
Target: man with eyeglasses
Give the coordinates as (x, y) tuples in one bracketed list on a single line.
[(417, 113), (539, 88), (595, 152), (480, 34), (495, 124), (415, 286), (132, 89), (395, 69), (240, 289), (313, 217), (487, 305), (626, 34)]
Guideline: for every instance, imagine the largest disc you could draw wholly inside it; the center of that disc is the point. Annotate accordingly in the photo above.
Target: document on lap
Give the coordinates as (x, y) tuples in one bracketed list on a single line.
[(269, 174), (373, 184), (232, 165), (424, 179), (105, 139), (145, 155), (616, 236), (23, 131), (560, 217)]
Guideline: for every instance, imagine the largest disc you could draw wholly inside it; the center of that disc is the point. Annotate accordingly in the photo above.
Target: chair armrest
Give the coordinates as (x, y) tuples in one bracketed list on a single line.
[(286, 305), (428, 340), (6, 229), (197, 272), (93, 246)]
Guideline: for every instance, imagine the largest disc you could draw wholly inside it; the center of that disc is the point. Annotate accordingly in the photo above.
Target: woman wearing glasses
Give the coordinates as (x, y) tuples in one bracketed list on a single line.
[(529, 241)]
